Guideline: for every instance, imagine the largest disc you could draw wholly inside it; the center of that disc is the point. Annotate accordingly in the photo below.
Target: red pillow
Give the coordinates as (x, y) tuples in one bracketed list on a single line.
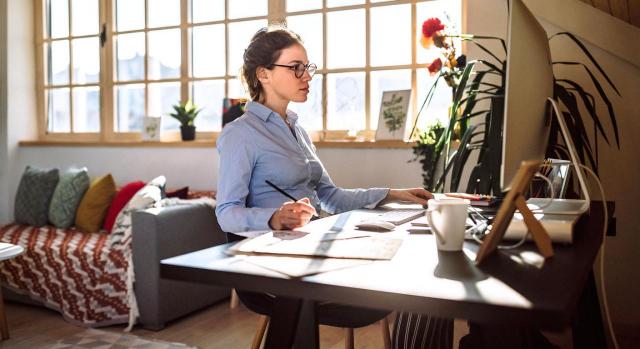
[(119, 202), (182, 193)]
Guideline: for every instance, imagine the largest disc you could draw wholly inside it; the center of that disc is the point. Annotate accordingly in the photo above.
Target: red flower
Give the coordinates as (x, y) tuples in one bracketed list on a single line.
[(431, 26), (435, 66)]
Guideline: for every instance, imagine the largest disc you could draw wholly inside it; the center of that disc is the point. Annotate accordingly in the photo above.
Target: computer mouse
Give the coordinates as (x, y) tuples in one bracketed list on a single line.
[(375, 225)]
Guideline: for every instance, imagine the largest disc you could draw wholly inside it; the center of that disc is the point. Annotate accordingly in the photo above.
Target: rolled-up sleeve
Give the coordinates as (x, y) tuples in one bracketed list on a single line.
[(237, 158)]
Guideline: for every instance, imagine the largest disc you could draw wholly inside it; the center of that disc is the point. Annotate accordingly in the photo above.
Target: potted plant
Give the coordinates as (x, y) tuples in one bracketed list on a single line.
[(471, 84), (186, 113)]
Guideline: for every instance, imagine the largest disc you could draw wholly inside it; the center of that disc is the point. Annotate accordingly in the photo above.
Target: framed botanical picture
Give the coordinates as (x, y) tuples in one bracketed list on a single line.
[(151, 128), (392, 121)]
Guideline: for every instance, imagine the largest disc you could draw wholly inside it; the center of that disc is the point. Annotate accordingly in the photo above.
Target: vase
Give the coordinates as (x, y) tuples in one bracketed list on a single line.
[(188, 132)]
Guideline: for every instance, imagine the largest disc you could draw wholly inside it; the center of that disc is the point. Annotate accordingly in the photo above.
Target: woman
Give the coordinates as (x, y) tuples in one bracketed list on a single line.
[(267, 143)]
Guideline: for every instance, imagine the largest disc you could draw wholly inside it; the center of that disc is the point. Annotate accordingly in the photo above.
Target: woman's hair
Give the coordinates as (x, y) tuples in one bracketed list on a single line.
[(263, 51)]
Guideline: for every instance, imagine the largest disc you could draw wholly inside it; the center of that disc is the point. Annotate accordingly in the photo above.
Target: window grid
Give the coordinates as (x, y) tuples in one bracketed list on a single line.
[(276, 13)]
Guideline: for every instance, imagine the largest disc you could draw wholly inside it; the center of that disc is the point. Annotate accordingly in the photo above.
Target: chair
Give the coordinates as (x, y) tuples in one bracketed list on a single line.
[(349, 342)]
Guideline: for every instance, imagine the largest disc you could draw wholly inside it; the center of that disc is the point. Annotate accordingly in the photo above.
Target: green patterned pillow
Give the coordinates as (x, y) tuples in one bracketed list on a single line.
[(66, 198), (34, 195)]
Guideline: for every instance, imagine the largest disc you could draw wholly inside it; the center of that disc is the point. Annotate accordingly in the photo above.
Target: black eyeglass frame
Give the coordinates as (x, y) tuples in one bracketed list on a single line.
[(299, 73)]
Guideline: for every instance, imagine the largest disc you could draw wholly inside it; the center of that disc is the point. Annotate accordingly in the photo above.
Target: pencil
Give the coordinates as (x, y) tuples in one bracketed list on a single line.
[(283, 192)]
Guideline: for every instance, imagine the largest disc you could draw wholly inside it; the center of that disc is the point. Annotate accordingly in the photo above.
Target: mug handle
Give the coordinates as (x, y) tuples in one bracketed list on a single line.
[(435, 230)]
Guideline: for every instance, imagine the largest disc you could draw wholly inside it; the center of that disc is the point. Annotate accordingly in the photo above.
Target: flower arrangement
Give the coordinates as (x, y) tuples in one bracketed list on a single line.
[(450, 66)]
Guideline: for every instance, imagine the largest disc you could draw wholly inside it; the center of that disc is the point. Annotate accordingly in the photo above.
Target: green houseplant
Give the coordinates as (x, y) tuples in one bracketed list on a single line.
[(186, 113), (484, 80)]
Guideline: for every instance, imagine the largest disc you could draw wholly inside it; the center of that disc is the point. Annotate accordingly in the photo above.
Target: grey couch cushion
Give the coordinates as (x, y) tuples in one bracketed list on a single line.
[(66, 197), (34, 195)]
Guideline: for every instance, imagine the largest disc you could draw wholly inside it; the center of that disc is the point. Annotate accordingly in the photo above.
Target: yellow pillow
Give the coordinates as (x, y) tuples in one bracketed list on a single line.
[(95, 203)]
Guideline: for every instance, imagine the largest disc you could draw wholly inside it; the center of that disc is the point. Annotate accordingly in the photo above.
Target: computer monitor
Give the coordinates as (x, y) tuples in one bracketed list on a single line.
[(529, 83), (529, 105)]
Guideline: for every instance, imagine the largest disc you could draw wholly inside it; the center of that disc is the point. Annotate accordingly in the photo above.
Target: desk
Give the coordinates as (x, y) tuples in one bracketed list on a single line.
[(504, 290)]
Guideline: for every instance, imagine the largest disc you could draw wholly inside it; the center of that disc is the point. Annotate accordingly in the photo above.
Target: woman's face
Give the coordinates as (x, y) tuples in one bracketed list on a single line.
[(282, 82)]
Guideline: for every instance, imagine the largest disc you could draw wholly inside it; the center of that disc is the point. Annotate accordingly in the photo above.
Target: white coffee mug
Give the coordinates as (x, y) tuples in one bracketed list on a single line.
[(447, 219)]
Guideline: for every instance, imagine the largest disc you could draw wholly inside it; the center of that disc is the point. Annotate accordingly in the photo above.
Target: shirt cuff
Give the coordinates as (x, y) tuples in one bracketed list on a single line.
[(261, 217), (377, 195)]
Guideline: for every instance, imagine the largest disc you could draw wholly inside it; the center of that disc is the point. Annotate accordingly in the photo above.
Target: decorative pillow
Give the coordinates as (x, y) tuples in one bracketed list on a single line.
[(182, 193), (34, 195), (94, 204), (119, 201), (120, 237), (66, 198)]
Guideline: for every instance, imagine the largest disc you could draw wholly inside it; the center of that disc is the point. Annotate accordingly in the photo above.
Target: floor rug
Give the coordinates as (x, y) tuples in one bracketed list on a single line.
[(99, 339)]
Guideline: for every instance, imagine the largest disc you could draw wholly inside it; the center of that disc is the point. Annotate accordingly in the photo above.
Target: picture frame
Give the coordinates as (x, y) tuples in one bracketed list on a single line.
[(393, 117), (151, 128), (515, 200)]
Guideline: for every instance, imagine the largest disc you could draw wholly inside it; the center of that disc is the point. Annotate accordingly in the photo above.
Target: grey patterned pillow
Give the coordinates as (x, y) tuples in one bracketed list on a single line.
[(34, 195), (66, 198)]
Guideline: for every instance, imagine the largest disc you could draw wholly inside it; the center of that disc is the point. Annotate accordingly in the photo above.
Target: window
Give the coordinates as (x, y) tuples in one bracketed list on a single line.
[(105, 64)]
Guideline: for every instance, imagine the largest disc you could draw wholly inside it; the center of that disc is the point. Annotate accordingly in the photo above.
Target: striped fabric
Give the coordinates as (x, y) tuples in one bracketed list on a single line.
[(420, 331), (69, 271)]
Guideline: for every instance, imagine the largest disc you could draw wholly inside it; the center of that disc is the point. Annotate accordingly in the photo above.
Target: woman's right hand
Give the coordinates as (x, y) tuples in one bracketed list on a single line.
[(292, 215)]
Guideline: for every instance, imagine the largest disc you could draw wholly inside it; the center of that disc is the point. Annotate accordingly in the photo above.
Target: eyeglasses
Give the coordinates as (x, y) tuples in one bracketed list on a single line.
[(300, 68)]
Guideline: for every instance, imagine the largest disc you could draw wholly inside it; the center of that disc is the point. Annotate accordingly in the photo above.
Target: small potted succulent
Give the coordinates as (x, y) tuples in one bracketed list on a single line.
[(186, 113)]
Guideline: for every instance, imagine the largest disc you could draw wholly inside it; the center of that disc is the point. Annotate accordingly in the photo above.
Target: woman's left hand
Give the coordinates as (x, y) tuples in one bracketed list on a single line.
[(415, 195)]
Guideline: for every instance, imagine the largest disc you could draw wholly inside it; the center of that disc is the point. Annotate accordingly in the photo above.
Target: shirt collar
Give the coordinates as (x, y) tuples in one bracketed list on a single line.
[(264, 112)]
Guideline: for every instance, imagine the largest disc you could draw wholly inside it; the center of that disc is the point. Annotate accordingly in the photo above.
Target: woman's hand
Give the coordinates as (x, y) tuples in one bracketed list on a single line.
[(415, 195), (292, 215)]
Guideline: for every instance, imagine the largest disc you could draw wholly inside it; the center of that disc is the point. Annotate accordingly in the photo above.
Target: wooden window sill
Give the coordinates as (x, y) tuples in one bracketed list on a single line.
[(211, 143)]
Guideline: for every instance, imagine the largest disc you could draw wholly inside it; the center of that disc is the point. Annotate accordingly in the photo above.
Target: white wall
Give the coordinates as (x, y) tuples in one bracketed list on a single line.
[(4, 187)]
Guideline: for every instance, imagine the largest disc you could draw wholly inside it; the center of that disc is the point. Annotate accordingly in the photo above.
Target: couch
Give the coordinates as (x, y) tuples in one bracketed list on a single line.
[(87, 293)]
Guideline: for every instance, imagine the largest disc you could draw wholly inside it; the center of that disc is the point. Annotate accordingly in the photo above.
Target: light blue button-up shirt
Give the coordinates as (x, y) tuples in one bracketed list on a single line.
[(259, 146)]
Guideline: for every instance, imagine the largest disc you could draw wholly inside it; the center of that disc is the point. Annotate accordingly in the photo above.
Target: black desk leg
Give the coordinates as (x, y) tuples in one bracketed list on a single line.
[(587, 321), (283, 323), (307, 334)]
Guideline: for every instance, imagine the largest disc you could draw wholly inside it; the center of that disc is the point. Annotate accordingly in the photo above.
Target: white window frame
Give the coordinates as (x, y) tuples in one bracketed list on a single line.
[(276, 14)]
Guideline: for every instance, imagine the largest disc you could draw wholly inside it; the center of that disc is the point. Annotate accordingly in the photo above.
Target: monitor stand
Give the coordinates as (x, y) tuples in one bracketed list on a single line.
[(564, 206)]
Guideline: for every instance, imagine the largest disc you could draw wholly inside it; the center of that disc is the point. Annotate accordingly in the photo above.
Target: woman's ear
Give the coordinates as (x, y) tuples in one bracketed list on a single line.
[(263, 75)]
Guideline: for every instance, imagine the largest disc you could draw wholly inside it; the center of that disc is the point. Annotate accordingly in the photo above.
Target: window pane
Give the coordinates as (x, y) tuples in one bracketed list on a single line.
[(130, 104), (336, 3), (345, 101), (240, 34), (57, 18), (163, 13), (129, 15), (164, 54), (209, 95), (310, 112), (58, 67), (59, 114), (386, 80), (309, 27), (84, 17), (86, 60), (86, 109), (297, 5), (247, 8), (346, 39), (449, 13), (236, 89), (162, 97), (391, 35), (207, 10), (208, 58), (130, 55), (439, 107)]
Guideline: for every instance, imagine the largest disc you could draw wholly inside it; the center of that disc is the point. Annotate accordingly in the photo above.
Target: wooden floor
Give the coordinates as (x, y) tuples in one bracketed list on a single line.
[(217, 327)]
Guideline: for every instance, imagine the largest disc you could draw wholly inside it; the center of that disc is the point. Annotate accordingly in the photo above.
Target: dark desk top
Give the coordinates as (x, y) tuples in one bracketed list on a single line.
[(507, 288)]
